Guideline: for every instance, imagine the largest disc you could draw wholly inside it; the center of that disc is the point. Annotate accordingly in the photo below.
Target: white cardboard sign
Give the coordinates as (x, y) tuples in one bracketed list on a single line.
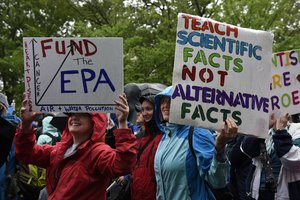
[(73, 74), (221, 71), (285, 84)]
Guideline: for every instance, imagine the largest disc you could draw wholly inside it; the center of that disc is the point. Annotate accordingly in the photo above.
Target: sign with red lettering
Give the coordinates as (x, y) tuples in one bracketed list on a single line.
[(221, 71), (285, 85), (73, 74)]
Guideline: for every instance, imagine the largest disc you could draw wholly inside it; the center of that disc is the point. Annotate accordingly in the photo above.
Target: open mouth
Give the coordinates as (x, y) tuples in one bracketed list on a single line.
[(75, 123)]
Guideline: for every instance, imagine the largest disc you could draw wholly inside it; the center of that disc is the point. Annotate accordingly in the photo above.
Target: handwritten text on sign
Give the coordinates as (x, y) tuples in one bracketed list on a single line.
[(220, 71), (73, 74), (285, 85)]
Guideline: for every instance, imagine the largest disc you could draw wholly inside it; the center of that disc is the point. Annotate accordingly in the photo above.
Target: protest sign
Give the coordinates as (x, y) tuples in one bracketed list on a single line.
[(73, 74), (221, 71), (285, 84)]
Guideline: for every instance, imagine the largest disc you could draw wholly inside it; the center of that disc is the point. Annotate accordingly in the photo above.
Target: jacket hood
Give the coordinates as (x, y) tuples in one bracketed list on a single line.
[(149, 98), (151, 126), (99, 121), (294, 130), (3, 101), (167, 92), (49, 128)]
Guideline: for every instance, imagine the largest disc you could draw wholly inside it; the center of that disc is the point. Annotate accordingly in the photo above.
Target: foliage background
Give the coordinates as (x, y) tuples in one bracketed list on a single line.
[(147, 26)]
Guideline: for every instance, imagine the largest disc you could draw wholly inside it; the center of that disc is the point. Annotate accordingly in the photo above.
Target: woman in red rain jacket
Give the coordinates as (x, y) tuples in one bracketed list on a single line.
[(143, 184), (81, 166)]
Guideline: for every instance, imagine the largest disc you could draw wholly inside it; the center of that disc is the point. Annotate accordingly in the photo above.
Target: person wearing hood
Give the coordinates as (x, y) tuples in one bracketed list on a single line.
[(49, 134), (286, 138), (185, 173), (81, 165), (143, 184), (8, 125), (273, 171)]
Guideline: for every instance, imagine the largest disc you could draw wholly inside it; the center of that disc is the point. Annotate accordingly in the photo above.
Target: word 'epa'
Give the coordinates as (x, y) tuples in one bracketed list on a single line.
[(88, 77)]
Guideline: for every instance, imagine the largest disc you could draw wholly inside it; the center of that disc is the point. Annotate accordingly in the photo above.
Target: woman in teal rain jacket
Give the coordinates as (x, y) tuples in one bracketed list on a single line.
[(179, 176)]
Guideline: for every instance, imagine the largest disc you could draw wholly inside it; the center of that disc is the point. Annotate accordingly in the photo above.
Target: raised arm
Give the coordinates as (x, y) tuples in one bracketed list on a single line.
[(26, 149), (219, 172), (288, 153), (119, 161)]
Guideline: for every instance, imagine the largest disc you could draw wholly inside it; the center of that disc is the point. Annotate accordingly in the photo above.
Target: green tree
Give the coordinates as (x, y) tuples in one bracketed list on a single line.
[(148, 29), (30, 18), (281, 17), (149, 32)]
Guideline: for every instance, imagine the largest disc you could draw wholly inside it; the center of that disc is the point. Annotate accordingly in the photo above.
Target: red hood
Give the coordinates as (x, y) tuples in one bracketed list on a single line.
[(99, 121)]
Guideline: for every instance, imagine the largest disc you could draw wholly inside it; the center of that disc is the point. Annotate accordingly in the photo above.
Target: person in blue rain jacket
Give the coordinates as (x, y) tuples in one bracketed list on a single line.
[(179, 176)]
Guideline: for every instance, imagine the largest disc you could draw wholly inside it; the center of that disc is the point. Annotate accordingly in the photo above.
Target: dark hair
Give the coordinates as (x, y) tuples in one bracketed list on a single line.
[(295, 118)]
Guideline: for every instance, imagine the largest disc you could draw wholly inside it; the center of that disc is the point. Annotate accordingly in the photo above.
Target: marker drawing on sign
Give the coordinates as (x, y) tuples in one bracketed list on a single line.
[(33, 55), (70, 75), (56, 73)]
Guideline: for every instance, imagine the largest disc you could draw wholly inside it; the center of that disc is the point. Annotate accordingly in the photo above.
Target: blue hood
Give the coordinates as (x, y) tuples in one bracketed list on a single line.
[(167, 92)]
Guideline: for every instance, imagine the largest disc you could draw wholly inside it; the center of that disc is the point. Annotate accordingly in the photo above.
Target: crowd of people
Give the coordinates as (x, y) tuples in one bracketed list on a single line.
[(140, 152)]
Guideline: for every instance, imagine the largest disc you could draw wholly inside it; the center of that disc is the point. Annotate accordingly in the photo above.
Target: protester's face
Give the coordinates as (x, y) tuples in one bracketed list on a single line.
[(147, 110), (139, 118), (80, 123), (165, 108)]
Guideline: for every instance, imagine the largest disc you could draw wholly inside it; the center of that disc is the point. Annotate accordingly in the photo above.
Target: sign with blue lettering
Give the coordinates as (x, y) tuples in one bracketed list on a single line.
[(221, 71), (73, 74)]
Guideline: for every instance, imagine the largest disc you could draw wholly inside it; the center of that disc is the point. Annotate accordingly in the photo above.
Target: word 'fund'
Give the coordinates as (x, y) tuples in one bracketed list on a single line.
[(196, 24), (84, 47)]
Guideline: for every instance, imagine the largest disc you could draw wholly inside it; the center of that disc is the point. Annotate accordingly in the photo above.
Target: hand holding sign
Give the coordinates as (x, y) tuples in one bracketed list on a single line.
[(27, 116), (281, 122), (122, 111), (272, 120), (228, 132)]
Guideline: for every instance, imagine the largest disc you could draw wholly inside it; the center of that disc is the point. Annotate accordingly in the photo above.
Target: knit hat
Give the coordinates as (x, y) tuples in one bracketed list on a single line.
[(3, 100)]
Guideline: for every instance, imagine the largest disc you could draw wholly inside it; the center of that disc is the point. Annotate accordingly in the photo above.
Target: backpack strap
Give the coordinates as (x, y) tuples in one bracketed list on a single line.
[(141, 149), (190, 138)]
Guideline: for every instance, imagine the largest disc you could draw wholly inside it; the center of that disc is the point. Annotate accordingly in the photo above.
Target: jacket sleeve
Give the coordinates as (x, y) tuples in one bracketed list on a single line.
[(119, 161), (28, 152), (216, 172), (218, 175), (288, 153), (204, 146)]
